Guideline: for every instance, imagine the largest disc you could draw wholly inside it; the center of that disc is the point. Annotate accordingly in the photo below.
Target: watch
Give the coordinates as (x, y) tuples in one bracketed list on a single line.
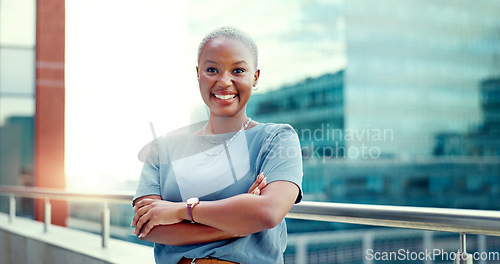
[(191, 203)]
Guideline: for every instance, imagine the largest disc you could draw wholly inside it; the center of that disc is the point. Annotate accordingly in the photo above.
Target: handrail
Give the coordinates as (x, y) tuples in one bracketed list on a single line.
[(480, 222), (462, 221), (465, 221), (62, 194)]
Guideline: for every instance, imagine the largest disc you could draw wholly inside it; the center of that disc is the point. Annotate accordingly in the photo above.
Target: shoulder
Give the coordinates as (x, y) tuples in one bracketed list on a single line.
[(273, 130), (277, 128), (272, 133)]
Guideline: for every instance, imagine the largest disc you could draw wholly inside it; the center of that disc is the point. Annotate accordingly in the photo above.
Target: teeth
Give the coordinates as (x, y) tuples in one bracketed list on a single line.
[(224, 97)]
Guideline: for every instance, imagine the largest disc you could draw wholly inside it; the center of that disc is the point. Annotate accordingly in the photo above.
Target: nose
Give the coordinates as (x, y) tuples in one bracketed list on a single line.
[(225, 80)]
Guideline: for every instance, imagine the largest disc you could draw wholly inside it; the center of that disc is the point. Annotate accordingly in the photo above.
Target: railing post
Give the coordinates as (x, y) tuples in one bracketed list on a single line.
[(12, 207), (301, 250), (427, 239), (463, 257), (367, 245), (481, 247), (48, 215), (105, 225)]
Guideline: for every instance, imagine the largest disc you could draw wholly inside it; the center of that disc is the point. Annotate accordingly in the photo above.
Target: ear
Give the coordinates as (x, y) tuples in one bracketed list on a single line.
[(256, 76)]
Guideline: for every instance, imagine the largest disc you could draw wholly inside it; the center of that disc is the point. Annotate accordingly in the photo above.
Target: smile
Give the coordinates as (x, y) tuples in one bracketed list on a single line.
[(224, 97)]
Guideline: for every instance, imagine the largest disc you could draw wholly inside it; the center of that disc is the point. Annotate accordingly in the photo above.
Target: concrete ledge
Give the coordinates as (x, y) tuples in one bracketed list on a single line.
[(24, 241)]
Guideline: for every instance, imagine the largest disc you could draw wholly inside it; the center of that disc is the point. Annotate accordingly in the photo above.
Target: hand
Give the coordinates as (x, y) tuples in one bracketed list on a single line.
[(152, 212), (259, 184)]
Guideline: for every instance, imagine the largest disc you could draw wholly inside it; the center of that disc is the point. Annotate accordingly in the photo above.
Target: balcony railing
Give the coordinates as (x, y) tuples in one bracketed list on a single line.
[(461, 221)]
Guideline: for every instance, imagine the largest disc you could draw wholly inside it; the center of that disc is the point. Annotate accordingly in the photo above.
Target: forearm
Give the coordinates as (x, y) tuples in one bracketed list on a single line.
[(185, 234), (246, 213), (238, 215), (242, 214)]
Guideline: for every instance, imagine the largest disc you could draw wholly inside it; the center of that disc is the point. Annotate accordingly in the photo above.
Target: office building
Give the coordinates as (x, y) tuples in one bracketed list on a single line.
[(415, 67), (315, 109), (32, 97)]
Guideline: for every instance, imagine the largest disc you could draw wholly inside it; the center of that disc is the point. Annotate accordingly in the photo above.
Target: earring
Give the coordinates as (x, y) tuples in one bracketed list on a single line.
[(255, 88)]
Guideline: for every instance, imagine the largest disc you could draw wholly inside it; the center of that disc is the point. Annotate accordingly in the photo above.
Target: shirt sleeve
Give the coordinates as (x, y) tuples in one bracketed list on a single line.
[(282, 157), (149, 182)]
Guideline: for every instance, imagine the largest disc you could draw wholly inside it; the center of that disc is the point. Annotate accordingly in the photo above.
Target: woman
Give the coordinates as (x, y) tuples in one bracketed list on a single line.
[(220, 195)]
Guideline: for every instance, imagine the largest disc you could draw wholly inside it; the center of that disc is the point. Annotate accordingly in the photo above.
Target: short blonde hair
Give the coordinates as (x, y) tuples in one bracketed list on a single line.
[(231, 32)]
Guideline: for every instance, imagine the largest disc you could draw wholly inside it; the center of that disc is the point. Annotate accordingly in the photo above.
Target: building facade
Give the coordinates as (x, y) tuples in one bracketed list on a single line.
[(480, 141), (419, 97), (32, 99), (415, 67), (315, 109)]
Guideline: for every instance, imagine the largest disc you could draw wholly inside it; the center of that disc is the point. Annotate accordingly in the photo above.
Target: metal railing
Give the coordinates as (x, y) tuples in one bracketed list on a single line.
[(58, 194), (461, 221)]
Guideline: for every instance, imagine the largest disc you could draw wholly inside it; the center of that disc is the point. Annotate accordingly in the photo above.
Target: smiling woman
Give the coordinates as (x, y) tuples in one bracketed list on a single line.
[(204, 199)]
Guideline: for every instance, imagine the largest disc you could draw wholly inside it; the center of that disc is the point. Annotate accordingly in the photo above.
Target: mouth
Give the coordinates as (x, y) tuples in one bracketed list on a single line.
[(224, 96)]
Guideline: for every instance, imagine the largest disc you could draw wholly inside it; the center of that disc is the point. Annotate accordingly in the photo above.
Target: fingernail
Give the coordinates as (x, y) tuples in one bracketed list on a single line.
[(140, 235)]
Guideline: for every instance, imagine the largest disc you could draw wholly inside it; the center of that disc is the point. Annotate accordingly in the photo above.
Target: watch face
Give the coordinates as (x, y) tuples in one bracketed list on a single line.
[(192, 200)]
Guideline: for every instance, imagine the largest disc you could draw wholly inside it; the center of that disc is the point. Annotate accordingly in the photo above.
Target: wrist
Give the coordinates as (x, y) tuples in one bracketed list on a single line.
[(190, 204), (182, 211)]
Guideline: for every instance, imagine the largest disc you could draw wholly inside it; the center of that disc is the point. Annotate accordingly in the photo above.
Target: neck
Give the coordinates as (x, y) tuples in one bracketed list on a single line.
[(220, 125)]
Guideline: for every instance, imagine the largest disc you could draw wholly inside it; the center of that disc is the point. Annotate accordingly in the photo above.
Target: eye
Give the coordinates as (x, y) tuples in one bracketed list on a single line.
[(238, 70), (212, 70)]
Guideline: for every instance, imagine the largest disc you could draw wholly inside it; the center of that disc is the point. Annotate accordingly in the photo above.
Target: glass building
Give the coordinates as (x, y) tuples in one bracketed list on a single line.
[(416, 67), (314, 108), (418, 107), (17, 92), (420, 90)]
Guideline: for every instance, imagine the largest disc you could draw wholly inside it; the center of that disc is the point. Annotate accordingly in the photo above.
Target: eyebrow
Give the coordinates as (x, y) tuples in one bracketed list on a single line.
[(211, 61)]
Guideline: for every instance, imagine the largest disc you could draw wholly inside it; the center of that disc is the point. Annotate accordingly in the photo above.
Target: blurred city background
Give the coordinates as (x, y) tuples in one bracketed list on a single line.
[(395, 103)]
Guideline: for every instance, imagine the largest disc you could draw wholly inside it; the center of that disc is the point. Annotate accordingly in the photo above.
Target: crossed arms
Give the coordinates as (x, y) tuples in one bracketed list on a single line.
[(163, 222)]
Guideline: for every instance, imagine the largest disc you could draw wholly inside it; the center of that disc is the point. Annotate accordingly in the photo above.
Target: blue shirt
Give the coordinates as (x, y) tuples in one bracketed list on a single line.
[(182, 166)]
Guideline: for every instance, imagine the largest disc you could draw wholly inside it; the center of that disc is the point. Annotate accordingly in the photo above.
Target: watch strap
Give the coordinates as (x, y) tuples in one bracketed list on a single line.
[(191, 203), (190, 213)]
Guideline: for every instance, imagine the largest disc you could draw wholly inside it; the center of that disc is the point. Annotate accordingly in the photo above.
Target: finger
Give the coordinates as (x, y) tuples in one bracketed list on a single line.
[(145, 230), (142, 203), (252, 188), (259, 178), (135, 219), (262, 184), (139, 214), (141, 211), (256, 183), (144, 218), (256, 191)]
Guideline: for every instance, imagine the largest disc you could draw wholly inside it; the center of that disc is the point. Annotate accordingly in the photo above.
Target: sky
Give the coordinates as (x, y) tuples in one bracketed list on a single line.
[(130, 69)]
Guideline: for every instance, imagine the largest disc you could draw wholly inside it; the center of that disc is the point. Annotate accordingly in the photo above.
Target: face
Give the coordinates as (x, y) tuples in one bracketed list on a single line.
[(226, 74)]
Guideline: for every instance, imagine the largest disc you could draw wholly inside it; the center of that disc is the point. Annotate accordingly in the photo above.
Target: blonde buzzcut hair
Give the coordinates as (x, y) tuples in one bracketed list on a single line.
[(234, 33)]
